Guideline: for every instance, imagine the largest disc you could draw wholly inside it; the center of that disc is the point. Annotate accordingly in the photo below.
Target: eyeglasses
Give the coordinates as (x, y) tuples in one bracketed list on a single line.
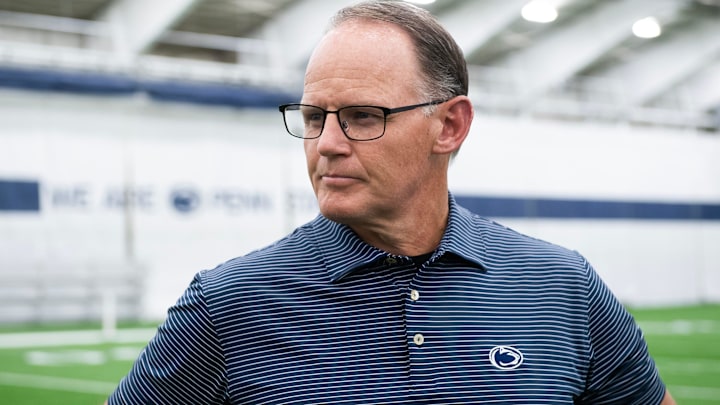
[(358, 122)]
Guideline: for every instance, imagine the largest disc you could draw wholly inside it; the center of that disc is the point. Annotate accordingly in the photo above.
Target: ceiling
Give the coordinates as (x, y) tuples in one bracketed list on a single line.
[(585, 65)]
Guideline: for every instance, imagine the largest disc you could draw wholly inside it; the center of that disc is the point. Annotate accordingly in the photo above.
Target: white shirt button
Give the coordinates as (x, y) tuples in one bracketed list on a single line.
[(419, 339), (414, 295)]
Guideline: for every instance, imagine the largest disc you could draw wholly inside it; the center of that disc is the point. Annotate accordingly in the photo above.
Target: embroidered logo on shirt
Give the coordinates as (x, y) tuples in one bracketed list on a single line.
[(506, 357)]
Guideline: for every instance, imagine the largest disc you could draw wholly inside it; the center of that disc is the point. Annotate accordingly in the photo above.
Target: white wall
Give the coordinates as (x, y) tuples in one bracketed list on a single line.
[(85, 151), (645, 262), (252, 187)]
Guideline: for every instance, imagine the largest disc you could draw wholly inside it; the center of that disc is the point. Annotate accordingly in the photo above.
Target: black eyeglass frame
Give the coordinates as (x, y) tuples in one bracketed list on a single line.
[(386, 111)]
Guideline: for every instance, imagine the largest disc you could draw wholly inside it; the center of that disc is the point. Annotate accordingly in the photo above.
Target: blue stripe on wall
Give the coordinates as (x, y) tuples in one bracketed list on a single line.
[(555, 208), (25, 196), (215, 94), (107, 84), (73, 82), (19, 195)]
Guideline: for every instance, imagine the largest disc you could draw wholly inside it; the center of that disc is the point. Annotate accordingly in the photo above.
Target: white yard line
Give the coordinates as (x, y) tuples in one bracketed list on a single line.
[(66, 338), (688, 366), (680, 327), (688, 392), (57, 383)]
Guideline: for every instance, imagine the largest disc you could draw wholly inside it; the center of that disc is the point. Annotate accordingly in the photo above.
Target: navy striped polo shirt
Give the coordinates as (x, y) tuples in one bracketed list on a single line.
[(321, 317)]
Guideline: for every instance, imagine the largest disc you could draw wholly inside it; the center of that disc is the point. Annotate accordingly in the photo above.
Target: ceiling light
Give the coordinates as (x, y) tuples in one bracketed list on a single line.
[(647, 27), (540, 11)]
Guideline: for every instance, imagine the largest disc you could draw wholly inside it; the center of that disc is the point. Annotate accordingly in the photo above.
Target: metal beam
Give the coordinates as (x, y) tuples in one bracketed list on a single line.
[(51, 23), (473, 23), (702, 88), (96, 31), (137, 24), (669, 62), (568, 49), (296, 30)]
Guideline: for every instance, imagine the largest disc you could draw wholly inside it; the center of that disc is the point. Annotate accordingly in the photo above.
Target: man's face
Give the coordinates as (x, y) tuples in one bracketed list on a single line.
[(368, 183)]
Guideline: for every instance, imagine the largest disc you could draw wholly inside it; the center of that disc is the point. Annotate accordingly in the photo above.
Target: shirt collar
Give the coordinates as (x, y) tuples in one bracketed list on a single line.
[(344, 252), (464, 235)]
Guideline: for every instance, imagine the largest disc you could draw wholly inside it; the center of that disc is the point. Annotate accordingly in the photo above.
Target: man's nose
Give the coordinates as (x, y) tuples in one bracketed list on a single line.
[(333, 139)]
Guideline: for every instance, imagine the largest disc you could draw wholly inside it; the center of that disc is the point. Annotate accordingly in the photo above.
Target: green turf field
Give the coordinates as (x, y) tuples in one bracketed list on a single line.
[(685, 343), (77, 365)]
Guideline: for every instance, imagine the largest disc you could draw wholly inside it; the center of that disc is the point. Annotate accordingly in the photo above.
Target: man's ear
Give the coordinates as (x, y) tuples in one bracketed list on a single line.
[(456, 115)]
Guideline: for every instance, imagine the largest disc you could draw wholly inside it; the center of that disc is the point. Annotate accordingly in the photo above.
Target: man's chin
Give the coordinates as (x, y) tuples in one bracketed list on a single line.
[(340, 211), (338, 215)]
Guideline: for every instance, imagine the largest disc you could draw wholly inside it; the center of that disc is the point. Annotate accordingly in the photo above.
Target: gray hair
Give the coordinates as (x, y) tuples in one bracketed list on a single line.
[(442, 63)]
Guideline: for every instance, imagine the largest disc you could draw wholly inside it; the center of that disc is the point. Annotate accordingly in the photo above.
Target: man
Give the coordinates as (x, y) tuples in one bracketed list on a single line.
[(395, 294)]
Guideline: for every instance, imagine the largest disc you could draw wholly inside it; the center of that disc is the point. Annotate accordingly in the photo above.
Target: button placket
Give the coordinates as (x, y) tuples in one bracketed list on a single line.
[(422, 340), (418, 338)]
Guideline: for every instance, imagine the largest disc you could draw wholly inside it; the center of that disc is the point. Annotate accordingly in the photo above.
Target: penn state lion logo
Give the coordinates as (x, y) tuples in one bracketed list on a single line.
[(506, 357)]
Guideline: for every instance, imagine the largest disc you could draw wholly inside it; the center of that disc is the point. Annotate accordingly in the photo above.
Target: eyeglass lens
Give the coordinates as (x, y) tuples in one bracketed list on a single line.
[(359, 123)]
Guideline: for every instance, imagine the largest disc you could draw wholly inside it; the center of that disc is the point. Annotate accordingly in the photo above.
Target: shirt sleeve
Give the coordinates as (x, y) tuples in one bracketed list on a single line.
[(621, 369), (183, 363)]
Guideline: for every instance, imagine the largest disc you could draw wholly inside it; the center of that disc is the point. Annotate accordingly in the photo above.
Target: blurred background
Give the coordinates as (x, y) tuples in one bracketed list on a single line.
[(140, 142)]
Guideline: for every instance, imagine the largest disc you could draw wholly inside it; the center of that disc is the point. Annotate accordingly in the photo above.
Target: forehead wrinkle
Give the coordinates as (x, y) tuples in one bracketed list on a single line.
[(346, 89), (362, 62)]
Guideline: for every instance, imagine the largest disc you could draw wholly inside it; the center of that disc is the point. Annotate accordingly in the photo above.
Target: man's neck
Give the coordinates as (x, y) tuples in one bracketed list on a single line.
[(416, 231)]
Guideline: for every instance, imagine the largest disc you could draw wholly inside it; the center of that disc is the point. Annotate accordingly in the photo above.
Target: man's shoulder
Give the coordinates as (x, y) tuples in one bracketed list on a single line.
[(280, 258), (502, 242)]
